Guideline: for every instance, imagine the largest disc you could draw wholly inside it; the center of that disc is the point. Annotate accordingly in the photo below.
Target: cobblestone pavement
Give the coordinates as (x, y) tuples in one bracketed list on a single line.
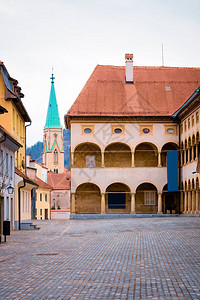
[(152, 258)]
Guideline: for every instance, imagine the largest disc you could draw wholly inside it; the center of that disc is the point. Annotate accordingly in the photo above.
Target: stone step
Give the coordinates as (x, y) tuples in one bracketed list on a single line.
[(28, 226), (118, 216)]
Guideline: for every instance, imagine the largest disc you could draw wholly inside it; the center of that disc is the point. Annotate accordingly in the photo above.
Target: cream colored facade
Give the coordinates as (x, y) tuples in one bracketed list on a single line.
[(43, 204), (132, 158)]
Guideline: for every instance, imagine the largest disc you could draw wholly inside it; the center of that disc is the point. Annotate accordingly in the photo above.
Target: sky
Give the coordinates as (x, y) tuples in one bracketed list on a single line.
[(73, 36)]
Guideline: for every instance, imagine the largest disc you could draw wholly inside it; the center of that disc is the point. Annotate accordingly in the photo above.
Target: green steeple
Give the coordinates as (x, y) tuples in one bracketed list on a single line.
[(52, 120)]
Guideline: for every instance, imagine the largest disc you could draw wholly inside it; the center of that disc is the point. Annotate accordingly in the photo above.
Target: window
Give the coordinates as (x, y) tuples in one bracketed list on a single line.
[(6, 164), (189, 123), (11, 166), (40, 211), (55, 156), (36, 212), (40, 196), (46, 197), (197, 117), (192, 120), (90, 161), (181, 128), (13, 118), (2, 162), (7, 208), (149, 197), (185, 126), (26, 201), (118, 130), (87, 130), (23, 200)]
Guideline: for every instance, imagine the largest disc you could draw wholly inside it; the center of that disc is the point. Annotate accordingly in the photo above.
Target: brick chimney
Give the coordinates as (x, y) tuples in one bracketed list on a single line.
[(129, 68)]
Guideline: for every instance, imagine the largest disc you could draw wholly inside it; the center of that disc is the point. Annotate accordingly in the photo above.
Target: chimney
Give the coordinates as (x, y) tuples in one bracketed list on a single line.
[(129, 68)]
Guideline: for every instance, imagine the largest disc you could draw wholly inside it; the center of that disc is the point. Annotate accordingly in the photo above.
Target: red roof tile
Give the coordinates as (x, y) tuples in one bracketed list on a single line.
[(43, 184), (26, 178), (58, 181), (157, 91)]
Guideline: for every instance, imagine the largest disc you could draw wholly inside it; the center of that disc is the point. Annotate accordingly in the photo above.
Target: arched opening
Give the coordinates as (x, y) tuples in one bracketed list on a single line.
[(190, 150), (193, 145), (182, 153), (88, 199), (186, 151), (55, 154), (146, 199), (146, 155), (170, 201), (118, 155), (87, 155), (167, 147), (118, 198)]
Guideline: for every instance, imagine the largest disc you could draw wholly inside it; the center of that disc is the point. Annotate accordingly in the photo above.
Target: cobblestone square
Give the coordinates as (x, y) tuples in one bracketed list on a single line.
[(141, 258)]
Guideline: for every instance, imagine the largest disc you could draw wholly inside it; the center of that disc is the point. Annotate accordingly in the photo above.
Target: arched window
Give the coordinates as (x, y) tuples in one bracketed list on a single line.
[(55, 156)]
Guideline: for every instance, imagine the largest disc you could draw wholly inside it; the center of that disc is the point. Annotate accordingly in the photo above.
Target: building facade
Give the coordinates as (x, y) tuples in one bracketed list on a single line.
[(122, 126)]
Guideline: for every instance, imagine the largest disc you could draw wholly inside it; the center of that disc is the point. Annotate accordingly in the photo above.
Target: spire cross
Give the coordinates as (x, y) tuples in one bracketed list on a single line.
[(52, 78)]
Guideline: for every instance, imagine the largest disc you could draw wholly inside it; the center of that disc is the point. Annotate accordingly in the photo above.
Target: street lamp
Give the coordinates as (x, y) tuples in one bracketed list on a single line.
[(10, 190)]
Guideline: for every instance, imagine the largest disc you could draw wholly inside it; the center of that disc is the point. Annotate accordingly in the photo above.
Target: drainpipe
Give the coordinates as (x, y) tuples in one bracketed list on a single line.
[(25, 144), (19, 201), (179, 166)]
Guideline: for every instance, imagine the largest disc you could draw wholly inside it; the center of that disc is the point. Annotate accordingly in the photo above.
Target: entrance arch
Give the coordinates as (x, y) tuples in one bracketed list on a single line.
[(88, 199), (118, 198), (87, 155), (165, 148), (146, 199), (170, 201), (146, 155), (118, 155)]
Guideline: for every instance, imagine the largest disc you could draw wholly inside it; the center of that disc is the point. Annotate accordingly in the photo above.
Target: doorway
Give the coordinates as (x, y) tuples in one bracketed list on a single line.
[(46, 214)]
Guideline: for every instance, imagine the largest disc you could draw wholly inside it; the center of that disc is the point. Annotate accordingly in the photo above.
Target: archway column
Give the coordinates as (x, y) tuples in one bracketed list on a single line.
[(181, 203), (103, 204), (72, 159), (133, 203), (133, 159), (72, 203), (159, 159), (185, 202), (160, 203), (193, 201), (189, 202), (102, 160), (197, 201)]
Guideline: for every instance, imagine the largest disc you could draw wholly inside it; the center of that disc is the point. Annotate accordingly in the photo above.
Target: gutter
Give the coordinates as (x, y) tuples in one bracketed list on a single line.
[(25, 144), (19, 201)]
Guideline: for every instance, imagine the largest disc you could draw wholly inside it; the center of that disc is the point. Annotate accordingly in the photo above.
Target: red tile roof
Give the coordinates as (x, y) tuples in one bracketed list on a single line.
[(43, 184), (26, 178), (59, 181), (157, 91)]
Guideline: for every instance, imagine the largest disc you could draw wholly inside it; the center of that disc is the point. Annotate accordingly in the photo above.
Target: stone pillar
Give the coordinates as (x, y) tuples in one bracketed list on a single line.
[(197, 201), (72, 159), (72, 203), (159, 159), (189, 202), (181, 203), (192, 153), (133, 159), (160, 203), (133, 203), (193, 201), (102, 160), (181, 156), (185, 202), (103, 204)]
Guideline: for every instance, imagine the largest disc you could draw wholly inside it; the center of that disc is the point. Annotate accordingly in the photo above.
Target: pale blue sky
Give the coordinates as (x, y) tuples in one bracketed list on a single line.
[(73, 36)]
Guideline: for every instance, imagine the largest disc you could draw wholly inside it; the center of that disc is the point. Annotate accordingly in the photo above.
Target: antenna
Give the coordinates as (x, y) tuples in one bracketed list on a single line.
[(162, 56)]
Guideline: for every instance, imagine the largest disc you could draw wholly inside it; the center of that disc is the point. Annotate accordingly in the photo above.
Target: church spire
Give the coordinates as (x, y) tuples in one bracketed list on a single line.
[(52, 120)]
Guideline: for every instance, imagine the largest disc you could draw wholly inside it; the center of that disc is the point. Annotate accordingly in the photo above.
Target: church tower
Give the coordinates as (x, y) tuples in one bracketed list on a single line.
[(53, 154)]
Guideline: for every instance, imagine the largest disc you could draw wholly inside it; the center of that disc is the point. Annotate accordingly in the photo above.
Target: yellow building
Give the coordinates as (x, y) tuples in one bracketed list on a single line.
[(43, 200), (14, 120)]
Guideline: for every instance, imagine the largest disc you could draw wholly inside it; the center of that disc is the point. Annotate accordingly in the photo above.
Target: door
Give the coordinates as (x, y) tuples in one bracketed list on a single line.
[(46, 214)]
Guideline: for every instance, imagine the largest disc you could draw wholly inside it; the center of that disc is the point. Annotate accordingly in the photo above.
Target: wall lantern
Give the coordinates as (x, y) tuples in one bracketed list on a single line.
[(10, 190)]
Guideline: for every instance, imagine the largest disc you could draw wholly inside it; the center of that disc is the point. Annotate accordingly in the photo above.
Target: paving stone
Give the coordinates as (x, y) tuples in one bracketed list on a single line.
[(133, 258)]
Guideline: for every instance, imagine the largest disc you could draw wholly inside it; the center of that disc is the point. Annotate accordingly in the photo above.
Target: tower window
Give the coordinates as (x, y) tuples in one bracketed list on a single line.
[(55, 156)]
